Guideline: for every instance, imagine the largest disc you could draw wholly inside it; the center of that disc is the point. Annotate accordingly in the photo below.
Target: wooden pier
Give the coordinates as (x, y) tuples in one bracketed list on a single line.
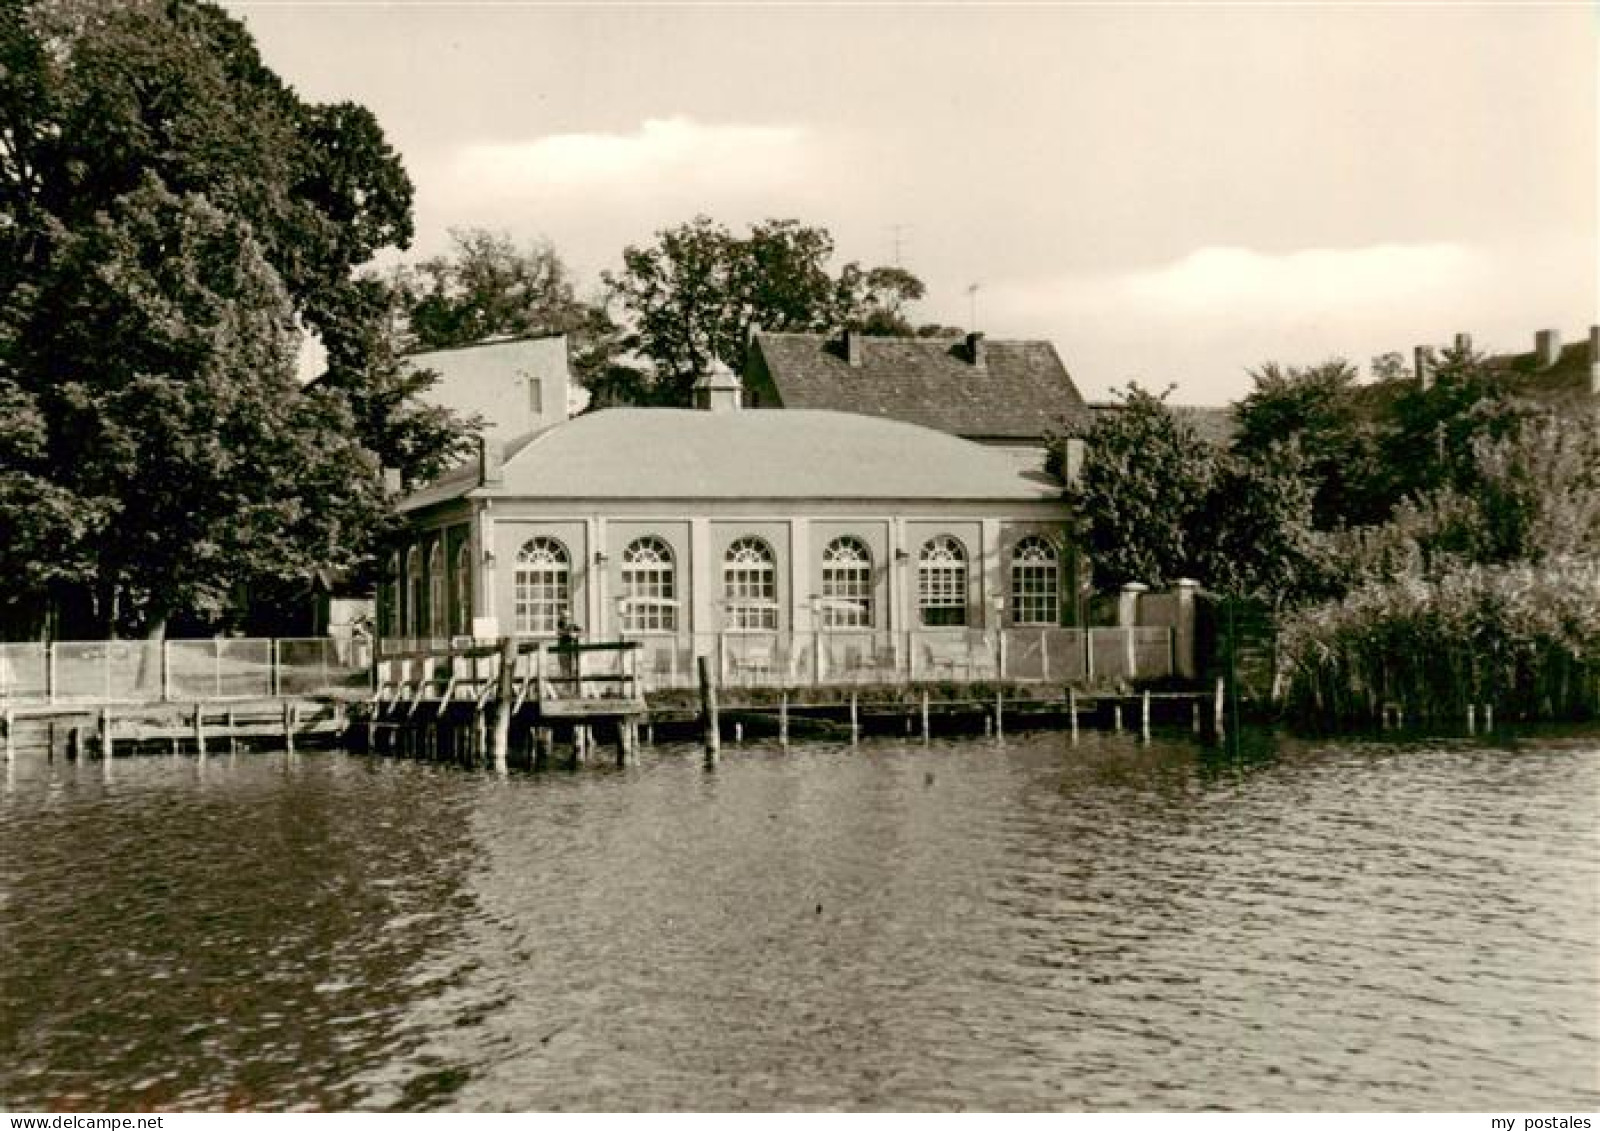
[(110, 729), (479, 702), (519, 701)]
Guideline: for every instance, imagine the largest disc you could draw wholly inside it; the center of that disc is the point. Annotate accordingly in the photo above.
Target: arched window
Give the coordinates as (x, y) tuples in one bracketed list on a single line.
[(464, 588), (541, 586), (1035, 582), (438, 605), (942, 582), (846, 584), (413, 593), (649, 587), (750, 585)]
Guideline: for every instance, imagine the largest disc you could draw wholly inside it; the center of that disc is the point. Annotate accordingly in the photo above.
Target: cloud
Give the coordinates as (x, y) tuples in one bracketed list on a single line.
[(1205, 318), (1308, 284), (675, 154)]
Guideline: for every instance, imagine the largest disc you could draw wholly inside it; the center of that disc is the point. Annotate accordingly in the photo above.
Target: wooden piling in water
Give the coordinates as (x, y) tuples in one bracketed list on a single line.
[(783, 719), (1144, 716), (11, 730), (108, 744), (1000, 712), (1218, 709), (1072, 711), (925, 714), (503, 704), (855, 719), (711, 727), (75, 744), (1116, 716), (200, 730)]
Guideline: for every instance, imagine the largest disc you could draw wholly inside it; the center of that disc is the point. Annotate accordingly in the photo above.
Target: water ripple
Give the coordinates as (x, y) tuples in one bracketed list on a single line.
[(1016, 925)]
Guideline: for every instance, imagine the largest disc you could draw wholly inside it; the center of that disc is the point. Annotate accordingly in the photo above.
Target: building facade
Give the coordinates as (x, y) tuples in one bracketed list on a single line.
[(675, 527)]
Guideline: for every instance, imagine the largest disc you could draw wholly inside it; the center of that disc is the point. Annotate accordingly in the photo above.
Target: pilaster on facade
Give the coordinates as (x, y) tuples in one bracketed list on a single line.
[(800, 590), (595, 563), (992, 589), (702, 614)]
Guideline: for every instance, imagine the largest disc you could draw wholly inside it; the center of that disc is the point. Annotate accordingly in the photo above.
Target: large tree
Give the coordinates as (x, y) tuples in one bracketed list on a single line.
[(170, 212), (166, 346), (1154, 502), (695, 293), (1315, 409), (1144, 481)]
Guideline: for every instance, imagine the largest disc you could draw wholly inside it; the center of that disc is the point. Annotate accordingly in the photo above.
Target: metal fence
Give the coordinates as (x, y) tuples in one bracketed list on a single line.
[(137, 671), (774, 659)]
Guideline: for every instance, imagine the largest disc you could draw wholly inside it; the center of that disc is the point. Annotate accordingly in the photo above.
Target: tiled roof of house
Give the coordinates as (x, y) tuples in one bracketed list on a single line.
[(663, 453), (1215, 424), (1563, 387), (1020, 393)]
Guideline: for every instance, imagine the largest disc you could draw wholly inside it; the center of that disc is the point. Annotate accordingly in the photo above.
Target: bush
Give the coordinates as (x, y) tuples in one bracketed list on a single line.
[(1524, 638)]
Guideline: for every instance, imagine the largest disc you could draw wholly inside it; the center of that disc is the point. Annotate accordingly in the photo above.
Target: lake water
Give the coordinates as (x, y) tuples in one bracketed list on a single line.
[(969, 924)]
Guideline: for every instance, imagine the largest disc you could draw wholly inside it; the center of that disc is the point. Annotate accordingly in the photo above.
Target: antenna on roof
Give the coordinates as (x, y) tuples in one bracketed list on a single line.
[(897, 234)]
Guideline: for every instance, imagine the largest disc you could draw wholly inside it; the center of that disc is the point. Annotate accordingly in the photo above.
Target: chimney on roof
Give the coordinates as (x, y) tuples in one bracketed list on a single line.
[(1546, 348), (976, 354), (491, 459), (1594, 360), (854, 348), (1424, 372), (1463, 343), (717, 389)]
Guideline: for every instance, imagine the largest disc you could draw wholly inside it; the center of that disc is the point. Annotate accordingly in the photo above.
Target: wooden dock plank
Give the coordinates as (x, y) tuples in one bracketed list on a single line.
[(591, 708)]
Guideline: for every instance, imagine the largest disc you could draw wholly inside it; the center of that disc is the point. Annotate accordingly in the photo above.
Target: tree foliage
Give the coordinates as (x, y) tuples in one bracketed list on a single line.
[(488, 286), (1315, 409), (1430, 435), (1140, 492), (170, 213), (1155, 503), (695, 293)]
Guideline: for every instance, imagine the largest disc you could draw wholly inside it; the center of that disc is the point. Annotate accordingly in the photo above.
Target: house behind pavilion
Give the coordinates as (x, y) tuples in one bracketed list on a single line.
[(514, 385), (1006, 394)]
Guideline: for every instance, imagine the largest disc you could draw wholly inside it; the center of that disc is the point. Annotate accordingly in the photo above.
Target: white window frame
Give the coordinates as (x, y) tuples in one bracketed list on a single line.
[(847, 584), (942, 583), (438, 584), (413, 595), (750, 585), (1035, 582), (649, 587), (463, 584), (542, 586)]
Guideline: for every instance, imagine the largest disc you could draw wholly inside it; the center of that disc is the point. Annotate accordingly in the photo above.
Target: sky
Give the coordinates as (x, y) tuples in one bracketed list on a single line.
[(1172, 194)]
